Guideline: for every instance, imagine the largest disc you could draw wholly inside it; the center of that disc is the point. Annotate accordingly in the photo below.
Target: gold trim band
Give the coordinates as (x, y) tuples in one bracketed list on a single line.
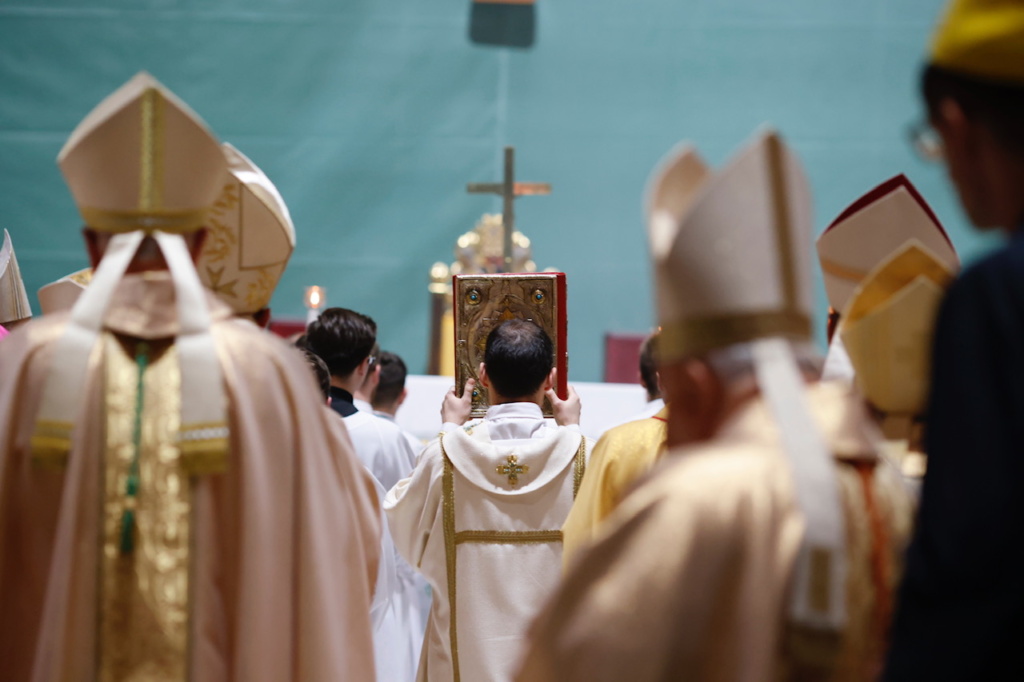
[(579, 466), (696, 336), (448, 524), (151, 151), (178, 222), (782, 221), (51, 443), (508, 537)]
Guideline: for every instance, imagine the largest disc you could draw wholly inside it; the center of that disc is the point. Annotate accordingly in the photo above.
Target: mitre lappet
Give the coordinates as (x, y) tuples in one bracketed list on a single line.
[(866, 233), (141, 164), (251, 238), (731, 268), (14, 305)]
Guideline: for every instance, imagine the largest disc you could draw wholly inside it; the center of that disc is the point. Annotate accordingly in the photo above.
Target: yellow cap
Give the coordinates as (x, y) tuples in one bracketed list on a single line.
[(983, 38), (142, 160)]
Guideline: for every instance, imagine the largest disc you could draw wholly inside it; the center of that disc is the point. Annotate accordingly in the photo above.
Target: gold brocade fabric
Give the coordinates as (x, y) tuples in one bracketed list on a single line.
[(144, 600)]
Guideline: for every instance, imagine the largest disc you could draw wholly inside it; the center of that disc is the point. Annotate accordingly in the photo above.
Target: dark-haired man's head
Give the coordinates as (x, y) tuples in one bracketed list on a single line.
[(345, 340), (518, 360), (649, 366), (369, 386), (390, 393), (981, 123), (320, 372)]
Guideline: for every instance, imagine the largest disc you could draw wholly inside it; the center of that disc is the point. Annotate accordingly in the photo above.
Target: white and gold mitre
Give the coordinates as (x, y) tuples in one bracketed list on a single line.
[(13, 297), (251, 238), (887, 328), (141, 165), (62, 294), (670, 192), (871, 229), (734, 268), (142, 159)]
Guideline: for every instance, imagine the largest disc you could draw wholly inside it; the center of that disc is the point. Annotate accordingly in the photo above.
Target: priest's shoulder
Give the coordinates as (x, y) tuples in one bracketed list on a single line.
[(722, 476), (719, 497), (243, 342), (36, 333), (627, 434)]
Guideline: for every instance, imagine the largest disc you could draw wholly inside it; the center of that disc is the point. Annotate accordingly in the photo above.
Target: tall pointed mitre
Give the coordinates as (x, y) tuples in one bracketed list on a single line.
[(13, 298), (735, 263), (731, 267), (871, 229), (672, 188), (251, 238), (143, 160), (141, 164), (61, 295), (887, 328)]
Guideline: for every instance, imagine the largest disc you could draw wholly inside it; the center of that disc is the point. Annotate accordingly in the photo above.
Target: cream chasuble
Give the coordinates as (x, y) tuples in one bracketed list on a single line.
[(688, 578), (131, 561), (482, 520), (622, 455)]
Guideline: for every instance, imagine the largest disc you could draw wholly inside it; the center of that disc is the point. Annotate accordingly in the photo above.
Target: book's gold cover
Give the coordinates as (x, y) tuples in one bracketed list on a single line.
[(482, 302)]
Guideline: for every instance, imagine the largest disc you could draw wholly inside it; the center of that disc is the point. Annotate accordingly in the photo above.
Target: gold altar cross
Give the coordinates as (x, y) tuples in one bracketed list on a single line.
[(509, 189), (513, 469)]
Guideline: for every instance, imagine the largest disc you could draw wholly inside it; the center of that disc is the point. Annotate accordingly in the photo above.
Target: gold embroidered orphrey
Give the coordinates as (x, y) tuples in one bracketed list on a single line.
[(512, 469), (144, 595), (453, 539)]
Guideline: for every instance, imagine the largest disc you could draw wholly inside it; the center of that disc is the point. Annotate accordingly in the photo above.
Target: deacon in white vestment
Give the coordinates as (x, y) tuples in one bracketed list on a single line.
[(481, 514)]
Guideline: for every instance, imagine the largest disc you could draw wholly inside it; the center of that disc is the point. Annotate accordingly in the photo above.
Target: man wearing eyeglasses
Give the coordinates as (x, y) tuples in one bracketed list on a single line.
[(961, 607)]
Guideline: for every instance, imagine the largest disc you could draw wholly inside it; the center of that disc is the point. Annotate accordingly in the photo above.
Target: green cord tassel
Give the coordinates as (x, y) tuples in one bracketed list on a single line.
[(132, 483), (128, 531)]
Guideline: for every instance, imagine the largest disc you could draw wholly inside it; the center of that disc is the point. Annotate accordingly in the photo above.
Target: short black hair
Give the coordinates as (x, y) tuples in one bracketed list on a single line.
[(343, 338), (998, 105), (320, 372), (392, 379), (649, 366), (519, 356)]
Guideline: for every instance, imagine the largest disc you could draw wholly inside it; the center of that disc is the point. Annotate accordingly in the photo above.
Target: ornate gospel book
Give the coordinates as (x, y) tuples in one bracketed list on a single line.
[(482, 302)]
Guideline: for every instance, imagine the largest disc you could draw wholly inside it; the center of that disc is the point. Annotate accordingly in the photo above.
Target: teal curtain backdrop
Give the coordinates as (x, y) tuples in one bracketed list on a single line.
[(372, 115)]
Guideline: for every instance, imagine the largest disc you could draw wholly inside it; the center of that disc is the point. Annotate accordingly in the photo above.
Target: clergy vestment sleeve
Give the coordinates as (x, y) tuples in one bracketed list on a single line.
[(595, 500), (323, 556), (960, 603), (622, 615), (622, 456), (413, 504)]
